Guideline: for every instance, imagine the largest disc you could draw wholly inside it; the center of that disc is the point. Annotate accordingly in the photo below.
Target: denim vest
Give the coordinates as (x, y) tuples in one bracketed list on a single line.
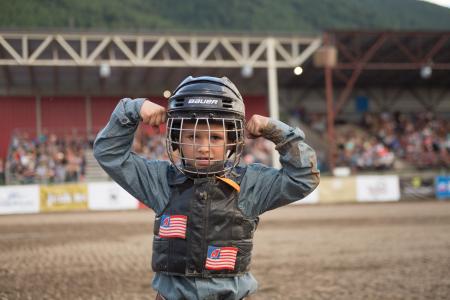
[(202, 232)]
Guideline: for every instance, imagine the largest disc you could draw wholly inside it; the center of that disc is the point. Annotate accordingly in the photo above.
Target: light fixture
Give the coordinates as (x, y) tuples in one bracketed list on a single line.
[(247, 71), (167, 94), (105, 70), (298, 70), (426, 71)]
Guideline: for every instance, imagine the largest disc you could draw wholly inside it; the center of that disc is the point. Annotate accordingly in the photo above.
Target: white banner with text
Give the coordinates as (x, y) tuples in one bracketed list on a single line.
[(377, 188), (109, 196), (19, 199)]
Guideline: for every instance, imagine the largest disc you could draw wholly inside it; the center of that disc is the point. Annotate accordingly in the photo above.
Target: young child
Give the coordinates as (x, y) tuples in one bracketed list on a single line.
[(206, 204)]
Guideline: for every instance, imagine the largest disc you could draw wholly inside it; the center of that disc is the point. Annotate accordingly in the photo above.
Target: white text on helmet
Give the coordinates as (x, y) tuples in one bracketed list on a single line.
[(202, 101)]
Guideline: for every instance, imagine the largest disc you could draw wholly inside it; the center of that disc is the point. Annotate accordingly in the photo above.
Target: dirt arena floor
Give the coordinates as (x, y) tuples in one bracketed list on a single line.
[(359, 251)]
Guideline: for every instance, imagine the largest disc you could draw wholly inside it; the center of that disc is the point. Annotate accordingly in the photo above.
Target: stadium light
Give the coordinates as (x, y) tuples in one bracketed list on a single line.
[(298, 70), (247, 71), (167, 94), (426, 71), (105, 70)]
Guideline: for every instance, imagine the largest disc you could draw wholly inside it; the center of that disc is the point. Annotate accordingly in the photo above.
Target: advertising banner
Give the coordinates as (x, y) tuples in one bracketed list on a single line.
[(63, 197), (337, 190), (443, 187), (19, 199), (109, 196), (377, 188), (417, 187)]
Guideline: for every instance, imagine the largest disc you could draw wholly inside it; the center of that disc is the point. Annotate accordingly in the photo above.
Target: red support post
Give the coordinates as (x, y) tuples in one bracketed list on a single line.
[(329, 94), (330, 117)]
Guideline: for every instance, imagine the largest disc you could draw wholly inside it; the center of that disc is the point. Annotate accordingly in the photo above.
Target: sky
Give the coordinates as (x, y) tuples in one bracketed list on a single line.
[(445, 3)]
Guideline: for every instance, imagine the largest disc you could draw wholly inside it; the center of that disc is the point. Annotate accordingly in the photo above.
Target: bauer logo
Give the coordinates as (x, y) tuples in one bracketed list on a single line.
[(202, 101)]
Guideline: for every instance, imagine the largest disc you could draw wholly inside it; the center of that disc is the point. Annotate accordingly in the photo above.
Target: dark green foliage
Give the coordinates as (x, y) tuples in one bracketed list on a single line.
[(296, 16)]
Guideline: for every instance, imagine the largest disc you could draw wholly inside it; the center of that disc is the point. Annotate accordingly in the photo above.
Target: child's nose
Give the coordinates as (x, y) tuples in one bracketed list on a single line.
[(202, 144)]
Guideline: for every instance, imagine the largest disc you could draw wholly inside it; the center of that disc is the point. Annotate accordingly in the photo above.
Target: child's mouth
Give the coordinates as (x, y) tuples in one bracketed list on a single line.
[(203, 161)]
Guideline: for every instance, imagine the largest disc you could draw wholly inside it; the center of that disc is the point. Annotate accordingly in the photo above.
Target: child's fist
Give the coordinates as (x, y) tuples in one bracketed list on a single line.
[(152, 113), (256, 125)]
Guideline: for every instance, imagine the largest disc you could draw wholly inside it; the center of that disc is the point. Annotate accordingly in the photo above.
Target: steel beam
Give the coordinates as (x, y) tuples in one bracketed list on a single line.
[(357, 71), (31, 49)]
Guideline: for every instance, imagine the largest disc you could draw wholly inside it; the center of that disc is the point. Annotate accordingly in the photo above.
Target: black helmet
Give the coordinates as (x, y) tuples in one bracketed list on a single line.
[(205, 106)]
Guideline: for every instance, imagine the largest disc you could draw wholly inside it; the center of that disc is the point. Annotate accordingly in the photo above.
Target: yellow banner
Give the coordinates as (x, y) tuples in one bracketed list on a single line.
[(337, 190), (64, 197)]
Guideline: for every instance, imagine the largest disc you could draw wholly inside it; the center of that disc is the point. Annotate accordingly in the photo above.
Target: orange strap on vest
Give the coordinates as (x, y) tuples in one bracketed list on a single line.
[(231, 183)]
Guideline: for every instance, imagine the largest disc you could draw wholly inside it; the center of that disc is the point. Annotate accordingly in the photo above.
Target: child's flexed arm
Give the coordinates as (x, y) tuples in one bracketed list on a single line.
[(264, 188), (256, 125), (142, 178), (152, 114)]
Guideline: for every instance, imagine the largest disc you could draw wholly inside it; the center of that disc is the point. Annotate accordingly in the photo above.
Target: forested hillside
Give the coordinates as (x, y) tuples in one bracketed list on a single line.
[(296, 16)]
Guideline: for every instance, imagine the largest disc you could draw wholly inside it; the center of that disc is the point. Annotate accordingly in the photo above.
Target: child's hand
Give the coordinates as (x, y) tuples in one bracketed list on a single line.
[(152, 113), (256, 125)]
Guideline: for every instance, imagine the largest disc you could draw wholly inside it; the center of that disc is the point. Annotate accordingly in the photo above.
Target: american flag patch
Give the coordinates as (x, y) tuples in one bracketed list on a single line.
[(173, 226), (221, 258)]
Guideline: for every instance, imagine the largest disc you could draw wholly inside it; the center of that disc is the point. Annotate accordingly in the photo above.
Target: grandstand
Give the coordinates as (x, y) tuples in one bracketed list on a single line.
[(382, 103)]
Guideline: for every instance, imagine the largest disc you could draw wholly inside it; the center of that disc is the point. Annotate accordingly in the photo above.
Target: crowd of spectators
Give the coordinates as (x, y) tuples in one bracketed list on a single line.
[(361, 151), (421, 140), (378, 141), (257, 151), (47, 158), (54, 159), (150, 145)]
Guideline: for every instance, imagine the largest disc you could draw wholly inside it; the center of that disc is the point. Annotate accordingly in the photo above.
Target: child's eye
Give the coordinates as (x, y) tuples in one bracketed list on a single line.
[(216, 138)]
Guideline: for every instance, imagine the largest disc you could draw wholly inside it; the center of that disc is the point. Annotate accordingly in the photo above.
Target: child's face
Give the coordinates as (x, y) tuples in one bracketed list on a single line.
[(205, 147)]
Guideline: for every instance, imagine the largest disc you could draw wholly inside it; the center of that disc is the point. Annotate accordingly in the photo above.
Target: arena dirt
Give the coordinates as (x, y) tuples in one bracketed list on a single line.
[(365, 251)]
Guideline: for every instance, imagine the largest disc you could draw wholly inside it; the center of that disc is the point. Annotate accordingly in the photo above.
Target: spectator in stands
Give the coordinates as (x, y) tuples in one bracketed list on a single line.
[(319, 123), (2, 172), (257, 151)]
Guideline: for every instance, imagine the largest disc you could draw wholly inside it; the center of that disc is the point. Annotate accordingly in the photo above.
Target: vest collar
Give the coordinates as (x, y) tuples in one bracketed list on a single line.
[(175, 177)]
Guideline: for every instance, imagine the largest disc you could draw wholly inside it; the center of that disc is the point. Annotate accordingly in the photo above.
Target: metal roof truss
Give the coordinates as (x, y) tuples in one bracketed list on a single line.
[(24, 49)]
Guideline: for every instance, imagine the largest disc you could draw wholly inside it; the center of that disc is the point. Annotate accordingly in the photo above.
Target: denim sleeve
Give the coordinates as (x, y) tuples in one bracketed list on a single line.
[(144, 179), (264, 188)]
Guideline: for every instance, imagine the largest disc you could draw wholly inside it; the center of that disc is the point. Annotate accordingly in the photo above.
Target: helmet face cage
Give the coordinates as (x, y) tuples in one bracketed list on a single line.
[(225, 154), (205, 126)]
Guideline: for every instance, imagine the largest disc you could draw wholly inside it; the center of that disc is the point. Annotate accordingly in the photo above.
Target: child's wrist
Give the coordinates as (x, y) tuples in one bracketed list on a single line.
[(272, 132)]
